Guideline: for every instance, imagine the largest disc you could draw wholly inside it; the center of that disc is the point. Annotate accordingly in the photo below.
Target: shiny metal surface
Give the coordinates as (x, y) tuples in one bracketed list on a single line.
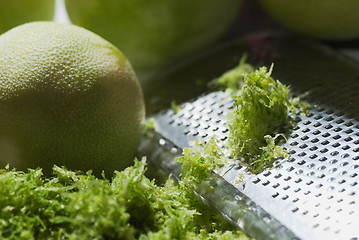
[(311, 195)]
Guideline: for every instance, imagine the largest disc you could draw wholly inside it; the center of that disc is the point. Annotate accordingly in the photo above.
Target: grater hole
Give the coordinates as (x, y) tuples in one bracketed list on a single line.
[(257, 180), (295, 209), (304, 138), (294, 135), (291, 168), (338, 129), (324, 150), (275, 195), (329, 119), (329, 126), (314, 148), (333, 161), (302, 154), (322, 167), (348, 139), (306, 130), (276, 185), (311, 165), (323, 159), (285, 197), (311, 173), (291, 152), (291, 160), (334, 153), (266, 183), (349, 131), (339, 121), (349, 124), (317, 132), (307, 122), (336, 137), (298, 180), (326, 135), (336, 145), (341, 181), (278, 176), (313, 156), (303, 146), (346, 147)]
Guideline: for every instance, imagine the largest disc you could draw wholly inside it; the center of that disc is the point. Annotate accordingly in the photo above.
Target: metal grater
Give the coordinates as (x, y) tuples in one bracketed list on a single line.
[(313, 194)]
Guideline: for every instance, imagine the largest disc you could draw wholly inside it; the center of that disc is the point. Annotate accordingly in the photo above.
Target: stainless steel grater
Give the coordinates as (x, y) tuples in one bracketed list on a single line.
[(314, 194)]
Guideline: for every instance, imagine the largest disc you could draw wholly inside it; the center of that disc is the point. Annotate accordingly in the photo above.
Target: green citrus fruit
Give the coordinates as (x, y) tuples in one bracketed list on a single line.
[(16, 12), (157, 32), (325, 19), (67, 97)]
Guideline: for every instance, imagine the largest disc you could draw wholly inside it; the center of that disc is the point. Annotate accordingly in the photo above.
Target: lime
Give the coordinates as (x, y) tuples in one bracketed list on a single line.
[(67, 97), (324, 19), (155, 33)]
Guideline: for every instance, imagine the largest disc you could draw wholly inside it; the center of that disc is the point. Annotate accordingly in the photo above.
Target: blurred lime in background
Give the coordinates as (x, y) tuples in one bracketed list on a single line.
[(323, 19), (16, 12), (155, 33)]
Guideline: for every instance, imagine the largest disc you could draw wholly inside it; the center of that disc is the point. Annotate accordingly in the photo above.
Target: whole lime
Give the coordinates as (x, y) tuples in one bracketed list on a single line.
[(67, 97), (16, 12), (157, 32), (324, 19)]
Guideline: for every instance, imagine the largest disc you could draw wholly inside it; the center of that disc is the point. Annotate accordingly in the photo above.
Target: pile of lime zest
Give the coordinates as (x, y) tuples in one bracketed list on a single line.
[(261, 114), (175, 107), (72, 205), (233, 79), (264, 113), (199, 160), (150, 124)]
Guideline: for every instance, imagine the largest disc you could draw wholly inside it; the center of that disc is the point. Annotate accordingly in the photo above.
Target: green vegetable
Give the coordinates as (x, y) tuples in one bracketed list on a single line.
[(71, 205)]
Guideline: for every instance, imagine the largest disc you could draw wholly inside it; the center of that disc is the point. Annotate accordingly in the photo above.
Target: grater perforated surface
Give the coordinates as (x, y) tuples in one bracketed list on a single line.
[(311, 195)]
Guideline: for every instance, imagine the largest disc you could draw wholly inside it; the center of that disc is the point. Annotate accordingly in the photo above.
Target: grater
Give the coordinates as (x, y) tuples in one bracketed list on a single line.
[(313, 194)]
